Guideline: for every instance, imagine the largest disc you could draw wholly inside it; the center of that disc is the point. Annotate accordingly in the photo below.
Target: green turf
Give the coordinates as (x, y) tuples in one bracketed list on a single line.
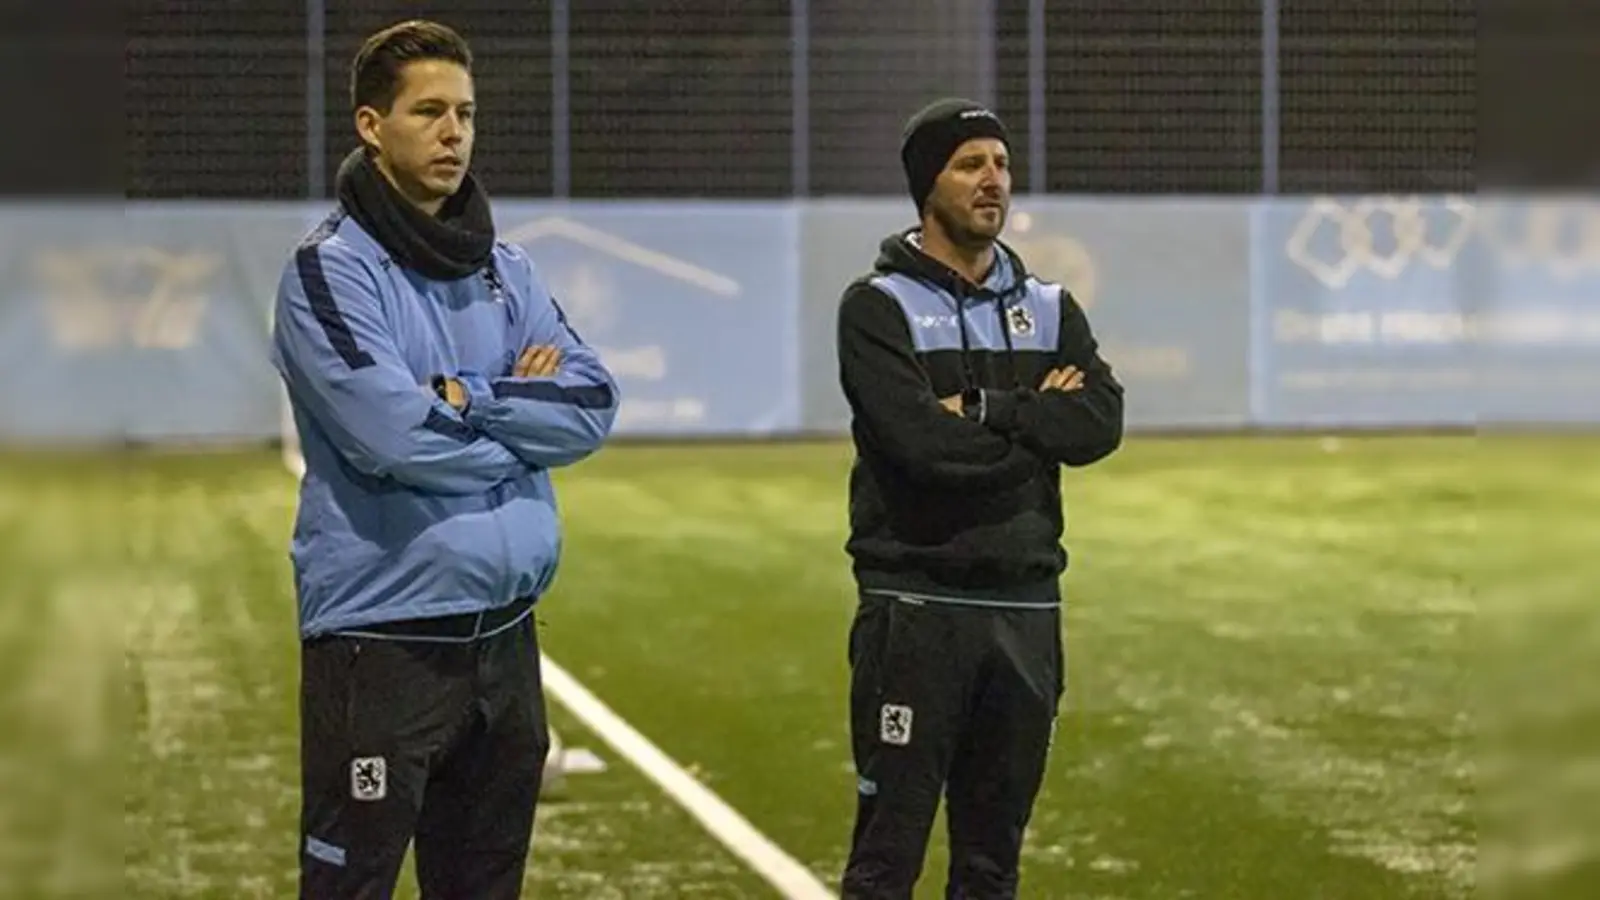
[(1272, 682)]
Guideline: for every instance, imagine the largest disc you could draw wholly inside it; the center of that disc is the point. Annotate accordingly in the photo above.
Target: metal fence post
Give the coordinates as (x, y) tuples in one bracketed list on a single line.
[(316, 100), (800, 97), (560, 100), (1038, 143), (1269, 96)]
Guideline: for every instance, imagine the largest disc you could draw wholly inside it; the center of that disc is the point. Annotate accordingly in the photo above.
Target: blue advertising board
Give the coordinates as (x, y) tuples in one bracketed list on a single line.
[(1536, 311), (693, 308), (151, 321), (143, 322), (1408, 311), (1358, 314)]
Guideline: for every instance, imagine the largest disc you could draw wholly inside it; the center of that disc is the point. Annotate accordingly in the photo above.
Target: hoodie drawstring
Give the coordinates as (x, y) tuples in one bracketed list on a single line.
[(1001, 301), (1005, 332), (967, 378), (960, 294)]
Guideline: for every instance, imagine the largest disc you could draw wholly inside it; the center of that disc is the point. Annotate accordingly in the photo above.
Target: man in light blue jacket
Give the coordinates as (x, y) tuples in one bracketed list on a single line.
[(434, 383)]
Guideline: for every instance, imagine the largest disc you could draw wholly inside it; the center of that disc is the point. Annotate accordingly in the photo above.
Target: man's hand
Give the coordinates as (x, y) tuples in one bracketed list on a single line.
[(952, 403), (1063, 379), (537, 362)]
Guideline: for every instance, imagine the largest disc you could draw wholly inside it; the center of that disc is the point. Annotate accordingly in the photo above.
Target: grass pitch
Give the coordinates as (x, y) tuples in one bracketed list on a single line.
[(1272, 689)]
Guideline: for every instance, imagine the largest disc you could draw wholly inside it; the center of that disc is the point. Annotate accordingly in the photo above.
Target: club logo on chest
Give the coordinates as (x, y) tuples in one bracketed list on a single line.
[(1020, 320)]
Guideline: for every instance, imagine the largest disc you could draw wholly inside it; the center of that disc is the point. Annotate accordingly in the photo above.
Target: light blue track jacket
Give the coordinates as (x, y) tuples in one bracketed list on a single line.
[(409, 509)]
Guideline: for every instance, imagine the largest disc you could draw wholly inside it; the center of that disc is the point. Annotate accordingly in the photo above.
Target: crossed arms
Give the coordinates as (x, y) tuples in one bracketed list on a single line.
[(339, 359), (1074, 417)]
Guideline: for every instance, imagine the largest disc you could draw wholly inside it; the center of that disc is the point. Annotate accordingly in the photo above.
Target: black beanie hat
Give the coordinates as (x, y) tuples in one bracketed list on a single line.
[(934, 133)]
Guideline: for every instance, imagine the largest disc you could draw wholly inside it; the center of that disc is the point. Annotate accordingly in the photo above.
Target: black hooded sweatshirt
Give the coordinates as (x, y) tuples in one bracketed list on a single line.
[(965, 507)]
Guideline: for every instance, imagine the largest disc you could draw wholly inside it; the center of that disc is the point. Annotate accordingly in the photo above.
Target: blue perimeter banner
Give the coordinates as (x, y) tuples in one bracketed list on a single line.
[(1536, 317), (150, 321), (1409, 311), (141, 321), (693, 308)]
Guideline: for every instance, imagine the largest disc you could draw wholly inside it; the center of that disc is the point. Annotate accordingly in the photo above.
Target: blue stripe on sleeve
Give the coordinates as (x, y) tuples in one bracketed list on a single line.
[(308, 263), (597, 396), (442, 424)]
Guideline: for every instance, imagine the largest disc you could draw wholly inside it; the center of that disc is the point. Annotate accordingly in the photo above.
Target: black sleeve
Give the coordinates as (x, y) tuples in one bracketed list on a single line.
[(1075, 428), (894, 404)]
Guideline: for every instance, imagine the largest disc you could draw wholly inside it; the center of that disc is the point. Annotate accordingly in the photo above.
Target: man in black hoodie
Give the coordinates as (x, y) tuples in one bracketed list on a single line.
[(970, 383)]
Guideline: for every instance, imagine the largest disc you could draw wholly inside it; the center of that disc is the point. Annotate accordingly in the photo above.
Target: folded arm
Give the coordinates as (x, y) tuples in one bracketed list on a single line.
[(895, 404), (1076, 427), (546, 421), (333, 347)]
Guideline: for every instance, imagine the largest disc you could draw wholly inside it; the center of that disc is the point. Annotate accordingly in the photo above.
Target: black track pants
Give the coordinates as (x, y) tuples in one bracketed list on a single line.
[(952, 700), (441, 743)]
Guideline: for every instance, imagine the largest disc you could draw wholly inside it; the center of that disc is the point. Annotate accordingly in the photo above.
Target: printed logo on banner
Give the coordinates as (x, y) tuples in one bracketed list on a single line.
[(146, 297), (1385, 236), (1362, 319), (1417, 310), (1561, 239), (691, 352)]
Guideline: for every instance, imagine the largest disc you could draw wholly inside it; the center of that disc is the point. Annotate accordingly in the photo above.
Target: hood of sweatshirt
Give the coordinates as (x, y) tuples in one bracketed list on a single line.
[(901, 253)]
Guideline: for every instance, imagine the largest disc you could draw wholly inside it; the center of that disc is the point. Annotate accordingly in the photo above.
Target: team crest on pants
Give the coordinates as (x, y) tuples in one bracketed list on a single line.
[(894, 724), (369, 778)]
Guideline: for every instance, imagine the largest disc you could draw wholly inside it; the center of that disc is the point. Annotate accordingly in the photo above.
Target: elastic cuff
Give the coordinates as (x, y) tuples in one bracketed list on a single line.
[(1000, 409)]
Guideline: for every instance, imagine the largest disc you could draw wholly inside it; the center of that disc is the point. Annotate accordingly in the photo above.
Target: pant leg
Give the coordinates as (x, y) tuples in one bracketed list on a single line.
[(373, 713), (477, 816), (908, 695), (999, 769)]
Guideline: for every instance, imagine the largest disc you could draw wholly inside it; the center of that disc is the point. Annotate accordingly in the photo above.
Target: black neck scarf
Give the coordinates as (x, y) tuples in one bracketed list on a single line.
[(454, 244)]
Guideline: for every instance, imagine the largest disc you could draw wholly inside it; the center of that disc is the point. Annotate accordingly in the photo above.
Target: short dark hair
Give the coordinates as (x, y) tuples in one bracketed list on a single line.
[(375, 74)]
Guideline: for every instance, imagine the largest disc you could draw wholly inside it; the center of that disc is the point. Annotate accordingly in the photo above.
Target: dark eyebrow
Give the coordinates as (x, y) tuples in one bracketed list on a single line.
[(979, 156), (425, 102)]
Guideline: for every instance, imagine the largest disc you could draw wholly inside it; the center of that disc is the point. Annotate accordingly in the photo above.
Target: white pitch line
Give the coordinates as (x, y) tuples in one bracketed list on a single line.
[(792, 880)]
